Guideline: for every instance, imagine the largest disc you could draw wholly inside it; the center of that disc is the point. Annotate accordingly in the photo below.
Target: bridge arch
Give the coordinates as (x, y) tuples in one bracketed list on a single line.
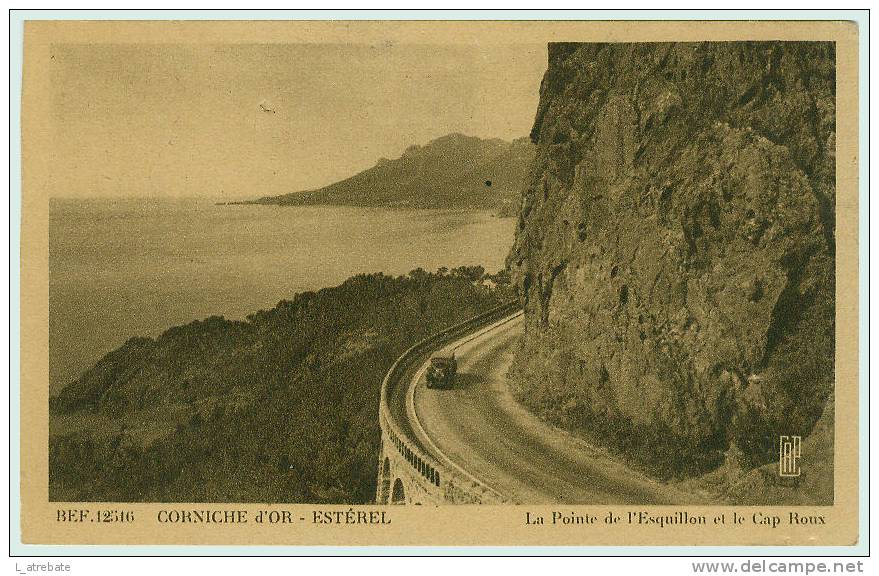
[(399, 494), (385, 479)]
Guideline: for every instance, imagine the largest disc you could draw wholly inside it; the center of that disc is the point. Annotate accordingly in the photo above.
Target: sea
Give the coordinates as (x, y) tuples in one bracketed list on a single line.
[(135, 267)]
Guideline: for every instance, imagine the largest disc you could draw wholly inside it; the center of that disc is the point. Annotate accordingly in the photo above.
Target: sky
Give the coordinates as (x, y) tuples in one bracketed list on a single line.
[(243, 121)]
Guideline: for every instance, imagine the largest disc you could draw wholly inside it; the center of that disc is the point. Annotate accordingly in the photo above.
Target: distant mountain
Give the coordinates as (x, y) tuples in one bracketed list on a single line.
[(454, 171)]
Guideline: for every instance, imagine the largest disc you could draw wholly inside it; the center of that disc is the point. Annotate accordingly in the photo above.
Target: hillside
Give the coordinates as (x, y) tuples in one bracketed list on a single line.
[(454, 171), (675, 255), (282, 407)]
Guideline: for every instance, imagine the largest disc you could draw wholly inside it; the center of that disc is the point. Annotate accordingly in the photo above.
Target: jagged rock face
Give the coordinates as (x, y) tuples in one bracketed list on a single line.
[(675, 248)]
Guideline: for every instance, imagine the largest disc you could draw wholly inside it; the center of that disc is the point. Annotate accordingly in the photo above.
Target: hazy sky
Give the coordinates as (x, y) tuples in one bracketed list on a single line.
[(241, 121)]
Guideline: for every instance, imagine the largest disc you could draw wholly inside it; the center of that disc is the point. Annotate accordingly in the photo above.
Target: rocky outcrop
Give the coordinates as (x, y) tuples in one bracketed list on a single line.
[(675, 249)]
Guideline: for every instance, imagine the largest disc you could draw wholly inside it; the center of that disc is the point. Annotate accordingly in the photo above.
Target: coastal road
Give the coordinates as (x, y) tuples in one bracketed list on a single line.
[(480, 430)]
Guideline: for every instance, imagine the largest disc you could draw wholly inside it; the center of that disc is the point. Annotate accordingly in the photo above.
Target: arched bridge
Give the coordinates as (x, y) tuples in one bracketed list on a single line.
[(410, 470)]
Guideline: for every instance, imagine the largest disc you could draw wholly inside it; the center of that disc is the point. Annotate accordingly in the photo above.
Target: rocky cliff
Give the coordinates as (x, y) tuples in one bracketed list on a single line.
[(675, 251)]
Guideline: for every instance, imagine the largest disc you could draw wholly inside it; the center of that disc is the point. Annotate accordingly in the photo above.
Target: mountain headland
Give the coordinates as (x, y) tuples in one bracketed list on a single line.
[(453, 172)]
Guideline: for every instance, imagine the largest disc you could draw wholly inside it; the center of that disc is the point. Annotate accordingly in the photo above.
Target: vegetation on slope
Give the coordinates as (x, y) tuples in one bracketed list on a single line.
[(282, 407)]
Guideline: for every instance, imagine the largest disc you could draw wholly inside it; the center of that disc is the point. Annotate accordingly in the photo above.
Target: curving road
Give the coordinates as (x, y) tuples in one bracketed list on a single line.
[(479, 429)]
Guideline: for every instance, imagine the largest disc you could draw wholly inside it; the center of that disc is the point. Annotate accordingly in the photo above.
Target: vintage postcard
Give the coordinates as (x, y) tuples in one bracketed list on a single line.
[(439, 283)]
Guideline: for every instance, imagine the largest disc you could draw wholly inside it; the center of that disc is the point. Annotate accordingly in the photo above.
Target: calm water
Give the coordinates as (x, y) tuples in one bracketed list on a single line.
[(120, 268)]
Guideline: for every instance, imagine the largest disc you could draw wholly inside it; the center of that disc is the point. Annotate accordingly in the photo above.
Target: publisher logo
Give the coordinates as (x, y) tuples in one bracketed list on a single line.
[(789, 453)]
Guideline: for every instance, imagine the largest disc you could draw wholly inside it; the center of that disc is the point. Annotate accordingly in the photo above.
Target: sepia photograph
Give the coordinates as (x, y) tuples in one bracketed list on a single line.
[(389, 268)]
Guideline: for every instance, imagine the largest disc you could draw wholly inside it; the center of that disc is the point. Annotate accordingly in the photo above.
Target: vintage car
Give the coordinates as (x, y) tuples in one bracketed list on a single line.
[(441, 372)]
